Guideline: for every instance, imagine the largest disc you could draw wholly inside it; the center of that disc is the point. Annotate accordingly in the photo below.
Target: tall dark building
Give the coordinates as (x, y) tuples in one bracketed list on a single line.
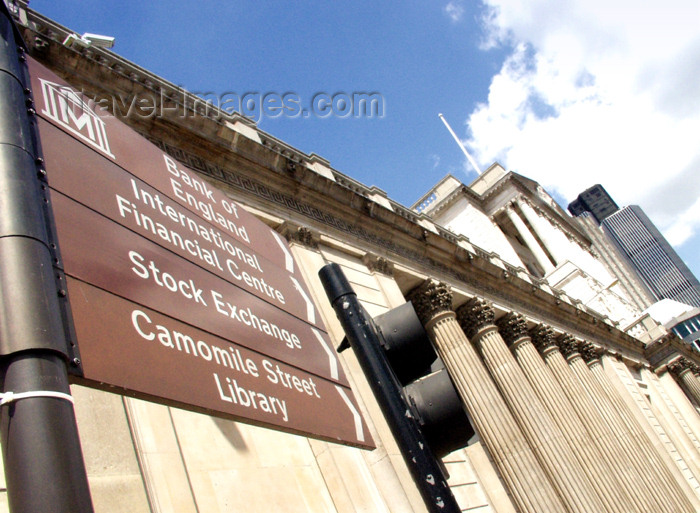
[(652, 256), (595, 200)]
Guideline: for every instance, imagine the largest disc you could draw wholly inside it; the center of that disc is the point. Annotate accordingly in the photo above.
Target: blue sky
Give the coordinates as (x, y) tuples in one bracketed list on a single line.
[(569, 93)]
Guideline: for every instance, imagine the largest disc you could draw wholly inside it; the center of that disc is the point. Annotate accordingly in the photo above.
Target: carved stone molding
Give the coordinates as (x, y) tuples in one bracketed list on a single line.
[(568, 345), (677, 367), (378, 264), (512, 327), (306, 237), (474, 315), (666, 338), (543, 337), (430, 298), (300, 234), (590, 353)]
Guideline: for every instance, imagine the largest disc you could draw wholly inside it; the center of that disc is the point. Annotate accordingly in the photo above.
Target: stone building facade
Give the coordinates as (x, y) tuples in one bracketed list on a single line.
[(572, 413)]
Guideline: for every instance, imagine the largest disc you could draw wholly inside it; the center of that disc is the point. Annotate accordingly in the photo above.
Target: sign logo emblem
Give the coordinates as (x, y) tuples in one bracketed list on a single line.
[(63, 105)]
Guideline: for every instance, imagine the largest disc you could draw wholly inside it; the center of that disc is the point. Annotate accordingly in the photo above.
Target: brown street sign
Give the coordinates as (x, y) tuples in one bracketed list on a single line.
[(103, 253), (186, 367), (178, 294), (125, 199)]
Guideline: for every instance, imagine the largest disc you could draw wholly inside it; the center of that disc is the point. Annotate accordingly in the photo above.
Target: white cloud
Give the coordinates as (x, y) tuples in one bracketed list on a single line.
[(684, 225), (599, 91), (455, 11)]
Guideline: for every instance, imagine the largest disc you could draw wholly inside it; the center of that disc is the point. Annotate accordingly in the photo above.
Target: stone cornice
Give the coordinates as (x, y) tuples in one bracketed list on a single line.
[(663, 350), (462, 191)]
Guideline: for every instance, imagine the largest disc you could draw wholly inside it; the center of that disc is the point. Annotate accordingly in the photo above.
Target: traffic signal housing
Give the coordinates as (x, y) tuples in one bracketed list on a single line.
[(426, 385)]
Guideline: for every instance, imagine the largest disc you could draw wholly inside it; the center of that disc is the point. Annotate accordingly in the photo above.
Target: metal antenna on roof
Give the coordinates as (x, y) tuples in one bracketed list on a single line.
[(461, 146)]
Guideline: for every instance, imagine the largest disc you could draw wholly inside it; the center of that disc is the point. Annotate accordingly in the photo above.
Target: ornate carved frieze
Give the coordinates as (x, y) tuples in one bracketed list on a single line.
[(474, 315), (568, 345), (589, 352), (512, 327), (543, 337), (430, 298)]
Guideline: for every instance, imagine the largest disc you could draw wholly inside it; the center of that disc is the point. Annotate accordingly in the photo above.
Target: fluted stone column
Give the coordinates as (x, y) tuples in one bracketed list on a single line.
[(637, 455), (680, 398), (529, 239), (609, 490), (668, 481), (682, 370), (547, 441), (545, 231), (553, 352), (522, 474), (679, 433)]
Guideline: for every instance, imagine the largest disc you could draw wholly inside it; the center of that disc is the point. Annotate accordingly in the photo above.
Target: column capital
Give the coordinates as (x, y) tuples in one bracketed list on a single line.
[(568, 345), (680, 365), (543, 337), (510, 205), (590, 352), (520, 199), (430, 298), (474, 315), (512, 327), (694, 367)]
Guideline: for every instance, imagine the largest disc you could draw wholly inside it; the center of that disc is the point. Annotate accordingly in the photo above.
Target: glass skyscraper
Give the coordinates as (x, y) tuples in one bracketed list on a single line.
[(652, 256)]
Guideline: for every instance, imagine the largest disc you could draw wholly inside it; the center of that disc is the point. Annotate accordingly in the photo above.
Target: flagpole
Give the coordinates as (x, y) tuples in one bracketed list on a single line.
[(461, 146)]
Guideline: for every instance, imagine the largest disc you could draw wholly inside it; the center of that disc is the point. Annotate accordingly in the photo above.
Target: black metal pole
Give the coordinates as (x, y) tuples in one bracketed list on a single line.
[(44, 467), (361, 333)]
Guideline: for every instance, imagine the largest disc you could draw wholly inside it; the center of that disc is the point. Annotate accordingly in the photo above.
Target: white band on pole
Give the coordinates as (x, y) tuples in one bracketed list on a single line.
[(9, 397)]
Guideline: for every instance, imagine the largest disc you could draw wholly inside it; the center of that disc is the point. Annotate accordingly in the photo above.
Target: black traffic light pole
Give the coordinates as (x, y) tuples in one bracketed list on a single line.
[(361, 333), (44, 467)]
